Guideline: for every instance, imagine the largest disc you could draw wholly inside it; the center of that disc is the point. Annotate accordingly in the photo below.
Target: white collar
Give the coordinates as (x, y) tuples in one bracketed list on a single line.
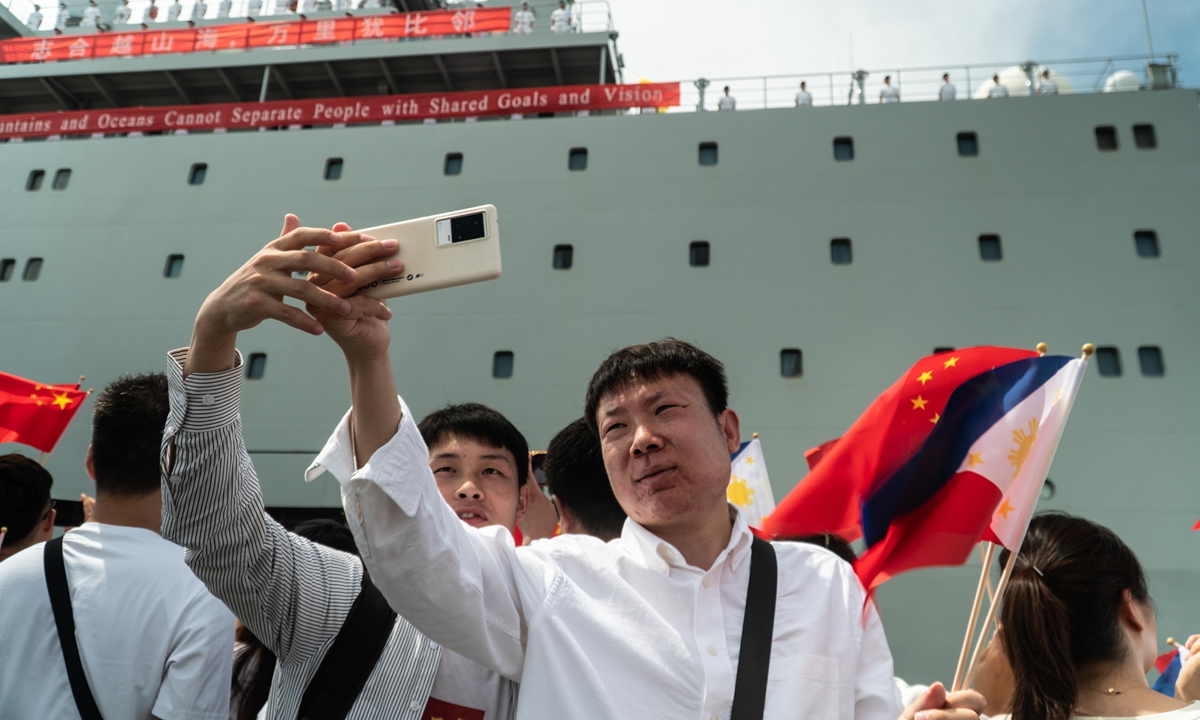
[(661, 555)]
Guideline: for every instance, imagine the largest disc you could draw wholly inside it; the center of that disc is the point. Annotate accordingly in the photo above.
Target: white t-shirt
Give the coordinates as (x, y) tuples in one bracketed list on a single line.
[(63, 15), (199, 9), (804, 99), (948, 92), (1048, 87), (524, 23), (727, 102), (121, 16), (152, 640), (889, 94), (34, 21), (173, 11), (560, 21), (998, 91), (223, 8), (1187, 712), (91, 14)]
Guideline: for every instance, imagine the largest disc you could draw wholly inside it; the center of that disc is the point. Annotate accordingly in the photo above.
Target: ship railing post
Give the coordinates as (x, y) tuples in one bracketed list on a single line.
[(831, 98), (262, 94), (701, 84), (764, 92), (603, 62), (968, 69)]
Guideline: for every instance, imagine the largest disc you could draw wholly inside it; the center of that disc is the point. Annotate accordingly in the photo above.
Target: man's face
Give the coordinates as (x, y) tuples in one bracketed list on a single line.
[(479, 482), (666, 454)]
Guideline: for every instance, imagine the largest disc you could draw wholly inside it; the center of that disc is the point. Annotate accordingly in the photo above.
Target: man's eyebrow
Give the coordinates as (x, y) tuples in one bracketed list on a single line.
[(496, 456), (613, 410), (446, 456)]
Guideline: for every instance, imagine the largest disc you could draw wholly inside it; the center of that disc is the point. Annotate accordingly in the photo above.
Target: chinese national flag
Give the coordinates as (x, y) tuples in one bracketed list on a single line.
[(34, 414)]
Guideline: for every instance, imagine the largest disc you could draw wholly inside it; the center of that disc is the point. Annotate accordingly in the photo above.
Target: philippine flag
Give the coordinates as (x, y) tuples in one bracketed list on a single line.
[(749, 485), (956, 450)]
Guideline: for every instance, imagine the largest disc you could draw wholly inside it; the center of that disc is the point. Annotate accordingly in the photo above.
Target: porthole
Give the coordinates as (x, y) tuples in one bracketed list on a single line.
[(33, 269), (174, 266), (698, 254), (34, 181), (1106, 137), (502, 364), (453, 164), (1108, 361), (564, 257), (791, 362), (840, 251), (7, 265), (1146, 243), (61, 178), (1151, 361), (843, 148), (577, 160), (1144, 138), (708, 153), (333, 169), (989, 248), (968, 144), (257, 366), (197, 173)]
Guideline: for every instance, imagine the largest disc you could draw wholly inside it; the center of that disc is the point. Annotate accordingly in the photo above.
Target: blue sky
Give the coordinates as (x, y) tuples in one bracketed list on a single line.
[(684, 39)]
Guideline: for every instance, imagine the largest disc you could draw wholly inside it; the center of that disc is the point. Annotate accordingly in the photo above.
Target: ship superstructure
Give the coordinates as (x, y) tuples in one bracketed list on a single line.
[(817, 251)]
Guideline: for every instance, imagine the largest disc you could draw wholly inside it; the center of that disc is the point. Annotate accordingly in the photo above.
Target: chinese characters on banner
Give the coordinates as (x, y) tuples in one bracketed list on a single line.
[(256, 35), (372, 109)]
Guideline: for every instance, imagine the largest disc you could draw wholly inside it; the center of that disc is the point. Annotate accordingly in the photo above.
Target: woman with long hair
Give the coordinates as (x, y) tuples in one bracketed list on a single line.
[(1078, 627)]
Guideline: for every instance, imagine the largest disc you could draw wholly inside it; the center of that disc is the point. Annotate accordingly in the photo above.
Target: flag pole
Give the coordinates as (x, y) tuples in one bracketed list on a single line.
[(984, 576), (990, 590), (991, 616)]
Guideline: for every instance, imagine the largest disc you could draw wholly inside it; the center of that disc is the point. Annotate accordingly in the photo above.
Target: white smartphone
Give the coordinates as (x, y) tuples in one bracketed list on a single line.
[(440, 251)]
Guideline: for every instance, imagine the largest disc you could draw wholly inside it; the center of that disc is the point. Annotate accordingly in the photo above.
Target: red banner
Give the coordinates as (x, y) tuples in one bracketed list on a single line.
[(371, 109), (256, 35)]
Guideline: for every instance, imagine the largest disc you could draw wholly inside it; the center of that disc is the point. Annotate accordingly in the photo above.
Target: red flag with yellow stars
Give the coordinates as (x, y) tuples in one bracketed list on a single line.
[(35, 414)]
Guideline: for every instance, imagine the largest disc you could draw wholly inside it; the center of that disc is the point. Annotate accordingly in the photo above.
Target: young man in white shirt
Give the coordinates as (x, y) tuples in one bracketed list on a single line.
[(60, 23), (91, 15), (947, 91), (26, 510), (34, 21), (648, 623), (523, 21), (997, 90), (804, 98), (152, 641), (727, 101), (1047, 86), (560, 19), (199, 9), (888, 93), (223, 8), (122, 13)]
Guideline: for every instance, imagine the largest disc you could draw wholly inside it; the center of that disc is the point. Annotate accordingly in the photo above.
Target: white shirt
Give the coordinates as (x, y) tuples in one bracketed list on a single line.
[(727, 102), (1048, 87), (598, 630), (560, 20), (947, 92), (63, 15), (152, 640), (889, 94), (91, 15), (121, 16), (223, 8), (173, 11), (523, 23), (998, 91), (199, 9), (804, 99), (1187, 712), (34, 21), (253, 8)]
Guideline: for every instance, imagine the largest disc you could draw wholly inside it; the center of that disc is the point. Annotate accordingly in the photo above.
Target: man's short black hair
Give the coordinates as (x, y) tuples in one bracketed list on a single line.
[(127, 429), (24, 496), (575, 474), (329, 533), (480, 423), (655, 361)]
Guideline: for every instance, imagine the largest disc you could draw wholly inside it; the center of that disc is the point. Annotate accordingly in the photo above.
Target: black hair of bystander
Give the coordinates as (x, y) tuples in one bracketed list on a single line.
[(24, 496), (127, 430), (576, 476), (480, 423)]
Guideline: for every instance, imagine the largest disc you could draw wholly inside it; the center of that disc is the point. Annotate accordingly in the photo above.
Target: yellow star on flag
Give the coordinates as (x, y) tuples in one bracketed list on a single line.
[(61, 400), (974, 459), (935, 418), (950, 363), (1005, 509), (919, 403), (749, 460), (925, 377)]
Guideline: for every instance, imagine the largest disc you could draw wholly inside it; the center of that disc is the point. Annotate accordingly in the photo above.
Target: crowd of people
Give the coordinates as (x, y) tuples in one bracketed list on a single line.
[(461, 587)]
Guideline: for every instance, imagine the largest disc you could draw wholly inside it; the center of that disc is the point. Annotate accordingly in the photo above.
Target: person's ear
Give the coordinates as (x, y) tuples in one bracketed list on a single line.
[(731, 428), (1132, 612), (48, 523), (523, 501), (90, 464), (566, 518)]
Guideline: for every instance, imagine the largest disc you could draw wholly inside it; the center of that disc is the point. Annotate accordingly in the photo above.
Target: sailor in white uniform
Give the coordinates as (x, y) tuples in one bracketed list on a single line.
[(947, 91), (60, 22), (888, 93), (173, 11), (223, 8), (997, 90), (199, 10), (1048, 86), (560, 19), (122, 13), (253, 8), (804, 97), (34, 21), (523, 22), (91, 15), (727, 101)]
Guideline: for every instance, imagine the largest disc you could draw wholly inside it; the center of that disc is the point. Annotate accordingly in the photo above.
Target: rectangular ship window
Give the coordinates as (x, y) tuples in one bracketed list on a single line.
[(708, 153), (174, 266), (61, 178), (197, 173), (453, 164), (577, 160), (7, 265), (502, 364), (989, 247), (698, 254), (333, 169), (791, 362), (840, 252), (968, 144), (564, 257), (33, 269), (1151, 359), (1146, 243), (943, 348), (843, 148), (257, 366), (35, 180), (1143, 137), (1106, 137), (1108, 361)]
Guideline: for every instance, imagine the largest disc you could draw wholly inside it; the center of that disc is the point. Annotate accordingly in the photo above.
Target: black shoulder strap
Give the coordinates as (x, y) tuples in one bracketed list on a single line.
[(345, 669), (64, 619), (758, 625)]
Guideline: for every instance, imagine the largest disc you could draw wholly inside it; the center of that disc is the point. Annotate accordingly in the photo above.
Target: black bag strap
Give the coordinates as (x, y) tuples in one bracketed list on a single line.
[(64, 620), (352, 657), (758, 625)]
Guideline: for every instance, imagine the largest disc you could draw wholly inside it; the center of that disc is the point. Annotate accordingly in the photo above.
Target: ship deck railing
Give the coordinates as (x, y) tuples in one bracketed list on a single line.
[(922, 84)]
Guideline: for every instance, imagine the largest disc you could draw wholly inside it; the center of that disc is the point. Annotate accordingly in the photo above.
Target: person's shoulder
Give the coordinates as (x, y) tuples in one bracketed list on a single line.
[(805, 564), (23, 567)]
